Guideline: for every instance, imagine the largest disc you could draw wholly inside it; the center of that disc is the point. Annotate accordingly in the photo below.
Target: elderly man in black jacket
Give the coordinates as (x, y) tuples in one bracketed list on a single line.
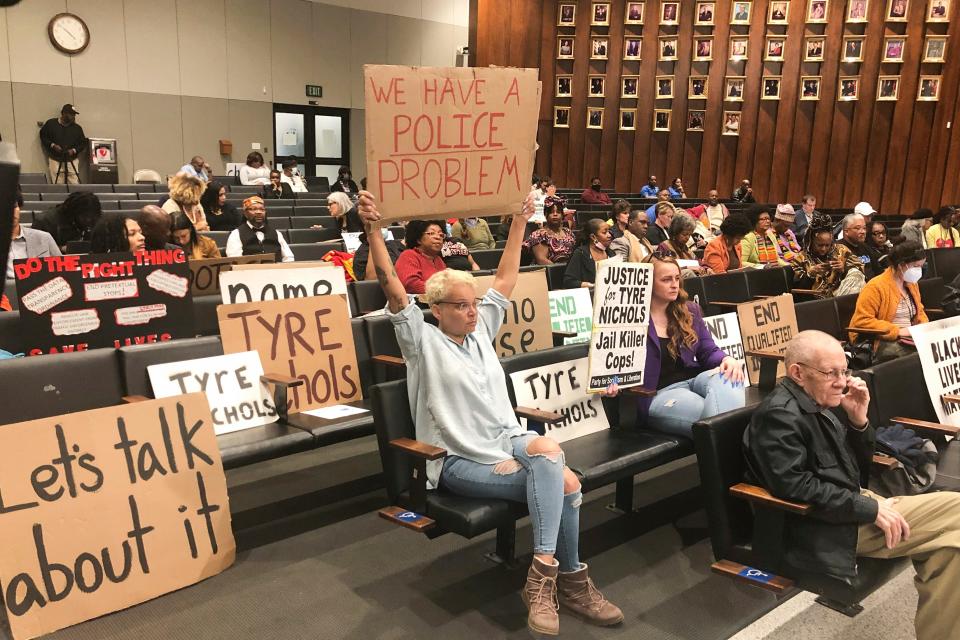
[(810, 441)]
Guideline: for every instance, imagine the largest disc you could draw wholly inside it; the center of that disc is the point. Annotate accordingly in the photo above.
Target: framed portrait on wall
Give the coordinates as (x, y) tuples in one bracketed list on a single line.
[(771, 88), (935, 49), (634, 13), (564, 88), (888, 88), (670, 13), (631, 48), (777, 13), (668, 48), (600, 14), (664, 87), (897, 10), (705, 14), (594, 117), (810, 87), (929, 90), (703, 48), (853, 48), (695, 118), (857, 11), (596, 84), (733, 88), (849, 88), (813, 49), (561, 117), (564, 48), (731, 123), (739, 46), (817, 11), (661, 119), (629, 86), (628, 119), (567, 14), (598, 48), (893, 47), (774, 49), (938, 11), (697, 87), (740, 12)]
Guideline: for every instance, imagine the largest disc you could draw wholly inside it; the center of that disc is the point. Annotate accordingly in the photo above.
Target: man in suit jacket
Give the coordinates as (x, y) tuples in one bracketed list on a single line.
[(28, 243)]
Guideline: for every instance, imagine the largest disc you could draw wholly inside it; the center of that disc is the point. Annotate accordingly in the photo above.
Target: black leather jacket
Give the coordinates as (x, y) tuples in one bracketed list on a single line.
[(802, 453)]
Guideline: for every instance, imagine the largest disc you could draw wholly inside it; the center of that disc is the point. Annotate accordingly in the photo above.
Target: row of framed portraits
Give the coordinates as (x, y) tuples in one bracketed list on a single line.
[(934, 48), (888, 87), (662, 119), (741, 12)]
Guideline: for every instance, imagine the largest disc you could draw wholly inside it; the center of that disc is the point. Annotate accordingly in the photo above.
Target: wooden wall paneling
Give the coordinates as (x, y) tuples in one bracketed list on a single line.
[(578, 114), (545, 130), (935, 190), (750, 106), (647, 69), (713, 119), (843, 117), (950, 193), (625, 140), (678, 105), (799, 160), (875, 163), (606, 167)]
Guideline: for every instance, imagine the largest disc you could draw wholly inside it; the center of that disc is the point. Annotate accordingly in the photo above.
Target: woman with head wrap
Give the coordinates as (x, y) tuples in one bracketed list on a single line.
[(825, 267)]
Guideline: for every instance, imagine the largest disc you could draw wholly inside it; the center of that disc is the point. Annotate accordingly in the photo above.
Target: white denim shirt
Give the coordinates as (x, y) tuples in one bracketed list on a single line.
[(458, 393)]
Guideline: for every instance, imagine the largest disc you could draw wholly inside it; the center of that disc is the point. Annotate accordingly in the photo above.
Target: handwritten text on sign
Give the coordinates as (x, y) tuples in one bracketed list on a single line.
[(571, 311), (442, 140), (767, 325), (526, 326), (725, 331), (104, 509), (205, 274), (938, 344), (621, 317)]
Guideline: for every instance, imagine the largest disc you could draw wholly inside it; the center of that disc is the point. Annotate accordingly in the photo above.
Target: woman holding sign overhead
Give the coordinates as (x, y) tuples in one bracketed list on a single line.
[(458, 396)]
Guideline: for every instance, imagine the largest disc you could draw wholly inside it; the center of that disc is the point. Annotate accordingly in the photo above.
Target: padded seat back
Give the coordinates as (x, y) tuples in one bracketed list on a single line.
[(769, 282), (555, 276), (820, 315), (845, 307), (487, 258), (369, 296), (363, 355), (205, 321), (392, 420), (10, 290), (314, 250), (898, 390), (134, 360), (694, 289), (932, 291), (946, 263), (10, 336)]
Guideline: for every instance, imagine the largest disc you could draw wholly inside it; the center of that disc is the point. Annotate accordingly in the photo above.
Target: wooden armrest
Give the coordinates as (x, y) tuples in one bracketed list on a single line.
[(640, 391), (132, 399), (723, 303), (765, 353), (749, 575), (406, 518), (281, 380), (390, 361), (933, 309), (564, 334), (418, 449), (950, 398), (764, 297), (760, 495), (866, 332), (538, 415), (806, 292), (932, 428), (885, 462)]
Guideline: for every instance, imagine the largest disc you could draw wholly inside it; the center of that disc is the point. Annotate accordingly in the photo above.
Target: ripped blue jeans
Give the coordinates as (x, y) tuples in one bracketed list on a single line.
[(536, 479)]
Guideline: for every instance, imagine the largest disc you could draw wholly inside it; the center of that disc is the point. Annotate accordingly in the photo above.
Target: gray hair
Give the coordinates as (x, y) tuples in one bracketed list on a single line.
[(805, 345), (341, 199), (681, 224), (850, 219)]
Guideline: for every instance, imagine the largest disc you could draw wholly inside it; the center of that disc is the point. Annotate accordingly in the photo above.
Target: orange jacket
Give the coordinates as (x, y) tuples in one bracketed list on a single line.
[(717, 255), (877, 304)]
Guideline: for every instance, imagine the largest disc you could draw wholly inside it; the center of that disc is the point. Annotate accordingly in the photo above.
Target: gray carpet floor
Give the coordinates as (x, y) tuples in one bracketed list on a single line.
[(315, 562)]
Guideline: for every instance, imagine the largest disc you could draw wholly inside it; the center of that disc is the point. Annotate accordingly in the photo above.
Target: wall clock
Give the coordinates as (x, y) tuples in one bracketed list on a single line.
[(68, 33)]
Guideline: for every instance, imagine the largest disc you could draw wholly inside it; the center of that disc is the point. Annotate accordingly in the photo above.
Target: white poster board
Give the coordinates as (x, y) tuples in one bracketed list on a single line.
[(938, 344), (561, 387), (571, 310), (725, 330), (257, 285), (237, 398)]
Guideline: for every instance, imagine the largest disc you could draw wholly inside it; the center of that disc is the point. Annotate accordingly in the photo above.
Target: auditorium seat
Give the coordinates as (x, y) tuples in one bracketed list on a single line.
[(723, 290), (368, 295), (694, 290), (133, 188), (945, 263), (311, 235), (10, 290), (820, 315), (280, 222), (316, 250), (205, 321), (53, 196), (33, 178), (307, 210), (117, 196), (769, 282), (382, 340), (318, 183), (48, 188), (134, 360), (92, 188), (135, 205), (305, 222), (11, 339), (220, 237), (487, 258), (555, 276)]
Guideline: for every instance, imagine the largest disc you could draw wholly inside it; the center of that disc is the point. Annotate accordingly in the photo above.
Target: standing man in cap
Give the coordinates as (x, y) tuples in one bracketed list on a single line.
[(787, 244), (63, 141), (255, 236)]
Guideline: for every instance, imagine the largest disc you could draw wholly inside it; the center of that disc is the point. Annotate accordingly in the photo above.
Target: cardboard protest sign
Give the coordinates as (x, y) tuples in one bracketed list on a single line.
[(725, 331), (105, 509), (938, 344), (205, 274), (767, 325), (450, 140), (621, 317), (571, 311), (561, 387), (304, 264), (526, 326), (80, 302), (306, 338), (237, 398)]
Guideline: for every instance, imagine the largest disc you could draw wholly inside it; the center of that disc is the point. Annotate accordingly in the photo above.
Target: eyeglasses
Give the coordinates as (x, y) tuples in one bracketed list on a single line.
[(833, 374), (462, 307), (878, 233)]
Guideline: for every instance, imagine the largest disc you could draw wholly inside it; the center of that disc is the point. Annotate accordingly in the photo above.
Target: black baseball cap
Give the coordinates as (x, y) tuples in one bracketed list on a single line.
[(68, 108)]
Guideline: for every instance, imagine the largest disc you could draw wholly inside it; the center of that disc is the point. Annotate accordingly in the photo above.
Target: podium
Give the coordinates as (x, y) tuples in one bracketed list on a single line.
[(103, 161)]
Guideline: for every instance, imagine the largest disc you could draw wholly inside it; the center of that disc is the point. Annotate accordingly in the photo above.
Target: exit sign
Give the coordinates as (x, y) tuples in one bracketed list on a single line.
[(314, 91)]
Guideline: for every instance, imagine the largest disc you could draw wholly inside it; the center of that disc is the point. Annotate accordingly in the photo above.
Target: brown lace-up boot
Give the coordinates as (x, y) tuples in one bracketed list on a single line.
[(540, 596), (576, 592)]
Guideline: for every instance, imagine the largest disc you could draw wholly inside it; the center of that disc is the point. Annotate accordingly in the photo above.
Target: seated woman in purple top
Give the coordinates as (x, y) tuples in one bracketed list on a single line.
[(692, 377)]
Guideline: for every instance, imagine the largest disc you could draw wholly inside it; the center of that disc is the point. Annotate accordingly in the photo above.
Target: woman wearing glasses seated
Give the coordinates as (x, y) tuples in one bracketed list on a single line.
[(891, 303), (423, 258), (458, 396)]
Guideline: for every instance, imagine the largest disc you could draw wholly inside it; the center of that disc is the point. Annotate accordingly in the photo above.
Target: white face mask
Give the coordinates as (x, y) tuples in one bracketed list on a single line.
[(913, 274)]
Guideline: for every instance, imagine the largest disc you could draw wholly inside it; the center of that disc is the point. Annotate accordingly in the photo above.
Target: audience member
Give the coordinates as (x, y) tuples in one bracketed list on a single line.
[(194, 245), (363, 267), (547, 190), (805, 213), (633, 246), (276, 189), (466, 410), (659, 230), (221, 215), (891, 303), (712, 213), (291, 176), (553, 242), (594, 193), (114, 233), (826, 267), (942, 233), (677, 245), (71, 220), (341, 208), (725, 253), (256, 236), (474, 233), (345, 184), (594, 245), (662, 196), (810, 441), (854, 237), (155, 224), (195, 168), (676, 189), (422, 259), (63, 141), (254, 172), (759, 247), (788, 247), (456, 255), (877, 242), (650, 189), (28, 242), (618, 221), (915, 228), (185, 194), (744, 193)]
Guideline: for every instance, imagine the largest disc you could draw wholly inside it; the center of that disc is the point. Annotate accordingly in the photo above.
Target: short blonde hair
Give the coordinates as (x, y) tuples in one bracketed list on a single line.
[(439, 284), (186, 189)]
